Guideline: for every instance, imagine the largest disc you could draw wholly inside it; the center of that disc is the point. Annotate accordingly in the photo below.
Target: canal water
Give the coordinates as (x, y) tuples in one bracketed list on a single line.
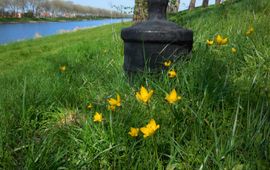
[(23, 31)]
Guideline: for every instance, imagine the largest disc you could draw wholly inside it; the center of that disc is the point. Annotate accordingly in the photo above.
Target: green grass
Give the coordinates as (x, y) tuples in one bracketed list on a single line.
[(222, 121)]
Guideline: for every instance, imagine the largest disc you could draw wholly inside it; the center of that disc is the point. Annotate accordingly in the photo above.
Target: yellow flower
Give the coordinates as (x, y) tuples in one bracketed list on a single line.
[(149, 129), (224, 41), (111, 108), (143, 95), (250, 31), (234, 50), (220, 40), (89, 106), (115, 102), (172, 74), (172, 97), (167, 63), (210, 42), (97, 117), (62, 68), (134, 132)]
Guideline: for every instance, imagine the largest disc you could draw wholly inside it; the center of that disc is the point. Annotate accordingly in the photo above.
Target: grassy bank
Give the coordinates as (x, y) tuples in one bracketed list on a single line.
[(221, 121)]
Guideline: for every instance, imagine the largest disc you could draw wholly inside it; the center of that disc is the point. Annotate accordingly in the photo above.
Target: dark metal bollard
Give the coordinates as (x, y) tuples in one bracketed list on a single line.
[(148, 44)]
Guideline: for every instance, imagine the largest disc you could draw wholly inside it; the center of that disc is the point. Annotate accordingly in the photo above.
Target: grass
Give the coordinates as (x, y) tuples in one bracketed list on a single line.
[(222, 121)]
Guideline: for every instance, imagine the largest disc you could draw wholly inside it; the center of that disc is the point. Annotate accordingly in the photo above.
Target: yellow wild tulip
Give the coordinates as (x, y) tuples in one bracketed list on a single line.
[(115, 102), (210, 42), (234, 50), (167, 63), (134, 132), (150, 128), (220, 40), (249, 31), (224, 41), (97, 117), (89, 106), (143, 95), (62, 69), (172, 74), (173, 97), (111, 108)]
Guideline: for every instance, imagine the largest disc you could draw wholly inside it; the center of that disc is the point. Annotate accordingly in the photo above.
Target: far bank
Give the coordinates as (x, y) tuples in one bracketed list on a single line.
[(57, 19)]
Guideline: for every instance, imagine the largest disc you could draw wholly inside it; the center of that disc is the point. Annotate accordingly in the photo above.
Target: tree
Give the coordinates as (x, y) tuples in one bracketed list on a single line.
[(63, 8), (218, 2), (2, 7), (3, 4), (35, 5), (173, 6), (13, 5), (192, 4), (205, 3), (140, 11), (22, 4), (46, 6)]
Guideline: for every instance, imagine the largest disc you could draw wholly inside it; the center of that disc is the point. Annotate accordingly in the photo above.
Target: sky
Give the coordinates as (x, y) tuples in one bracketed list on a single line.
[(108, 4)]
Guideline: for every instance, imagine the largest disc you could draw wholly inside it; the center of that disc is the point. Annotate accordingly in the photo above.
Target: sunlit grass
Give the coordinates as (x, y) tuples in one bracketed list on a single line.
[(218, 119)]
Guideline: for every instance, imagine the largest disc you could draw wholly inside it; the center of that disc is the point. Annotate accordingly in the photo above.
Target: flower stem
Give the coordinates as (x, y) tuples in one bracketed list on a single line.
[(111, 126)]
